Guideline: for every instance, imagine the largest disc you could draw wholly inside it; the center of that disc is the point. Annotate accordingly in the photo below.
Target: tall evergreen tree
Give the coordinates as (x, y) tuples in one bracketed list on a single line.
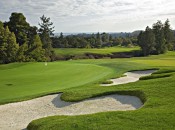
[(45, 31), (8, 46), (12, 48), (160, 45), (22, 53), (169, 36), (98, 40), (37, 53), (19, 26), (146, 40), (2, 42), (104, 37), (61, 36), (110, 38)]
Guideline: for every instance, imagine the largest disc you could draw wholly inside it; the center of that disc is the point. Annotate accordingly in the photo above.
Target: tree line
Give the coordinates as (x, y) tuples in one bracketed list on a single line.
[(21, 42), (158, 39), (92, 41)]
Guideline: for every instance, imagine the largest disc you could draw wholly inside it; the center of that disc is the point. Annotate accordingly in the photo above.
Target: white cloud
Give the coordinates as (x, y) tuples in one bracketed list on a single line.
[(92, 15)]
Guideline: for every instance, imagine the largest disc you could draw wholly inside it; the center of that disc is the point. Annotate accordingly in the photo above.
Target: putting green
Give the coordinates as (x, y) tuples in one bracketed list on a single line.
[(20, 81)]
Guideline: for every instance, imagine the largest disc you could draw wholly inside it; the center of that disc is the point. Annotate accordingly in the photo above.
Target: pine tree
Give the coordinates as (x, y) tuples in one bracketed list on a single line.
[(168, 33), (19, 26), (46, 30), (146, 40), (98, 40), (2, 42), (61, 36), (12, 48), (110, 38), (37, 53), (160, 45), (8, 46), (22, 53)]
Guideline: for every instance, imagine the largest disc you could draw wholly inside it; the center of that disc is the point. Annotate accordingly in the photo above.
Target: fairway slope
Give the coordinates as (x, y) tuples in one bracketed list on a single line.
[(20, 114)]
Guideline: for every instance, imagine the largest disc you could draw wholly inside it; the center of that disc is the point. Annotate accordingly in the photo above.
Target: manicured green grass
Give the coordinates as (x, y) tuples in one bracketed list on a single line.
[(80, 79), (78, 51), (20, 81), (157, 94)]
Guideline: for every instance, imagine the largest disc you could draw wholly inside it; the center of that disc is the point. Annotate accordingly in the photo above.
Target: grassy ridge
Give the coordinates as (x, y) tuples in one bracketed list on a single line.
[(82, 51), (158, 94)]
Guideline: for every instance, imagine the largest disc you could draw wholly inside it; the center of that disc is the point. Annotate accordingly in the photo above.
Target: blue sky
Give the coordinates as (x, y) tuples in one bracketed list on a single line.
[(92, 15)]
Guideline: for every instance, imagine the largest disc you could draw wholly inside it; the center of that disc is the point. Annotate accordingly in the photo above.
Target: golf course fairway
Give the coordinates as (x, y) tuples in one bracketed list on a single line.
[(81, 79)]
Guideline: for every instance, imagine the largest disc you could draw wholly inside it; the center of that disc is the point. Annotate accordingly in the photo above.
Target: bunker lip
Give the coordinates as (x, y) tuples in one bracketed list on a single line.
[(19, 115), (130, 77)]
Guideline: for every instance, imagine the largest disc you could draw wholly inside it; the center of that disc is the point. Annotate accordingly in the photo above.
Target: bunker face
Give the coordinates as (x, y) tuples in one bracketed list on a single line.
[(130, 77), (17, 116)]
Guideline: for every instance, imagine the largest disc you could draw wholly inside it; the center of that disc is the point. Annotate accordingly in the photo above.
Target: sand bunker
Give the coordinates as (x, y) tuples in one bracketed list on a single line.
[(16, 116), (130, 77)]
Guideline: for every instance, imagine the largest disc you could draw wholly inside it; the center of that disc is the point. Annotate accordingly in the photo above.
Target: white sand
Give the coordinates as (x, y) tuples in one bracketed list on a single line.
[(16, 116), (130, 77)]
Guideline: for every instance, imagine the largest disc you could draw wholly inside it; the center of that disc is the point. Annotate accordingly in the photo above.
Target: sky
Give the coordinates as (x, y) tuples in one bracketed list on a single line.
[(92, 15)]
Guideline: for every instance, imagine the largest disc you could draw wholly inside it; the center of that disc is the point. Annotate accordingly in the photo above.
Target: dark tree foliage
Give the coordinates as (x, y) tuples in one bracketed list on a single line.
[(46, 31), (160, 46), (169, 36), (8, 45), (46, 26), (157, 40), (146, 40), (19, 26), (91, 41), (104, 37), (19, 42)]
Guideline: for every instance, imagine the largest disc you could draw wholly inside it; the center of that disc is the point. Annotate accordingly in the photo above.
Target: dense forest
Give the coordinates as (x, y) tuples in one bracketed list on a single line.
[(21, 42), (158, 39), (92, 41)]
